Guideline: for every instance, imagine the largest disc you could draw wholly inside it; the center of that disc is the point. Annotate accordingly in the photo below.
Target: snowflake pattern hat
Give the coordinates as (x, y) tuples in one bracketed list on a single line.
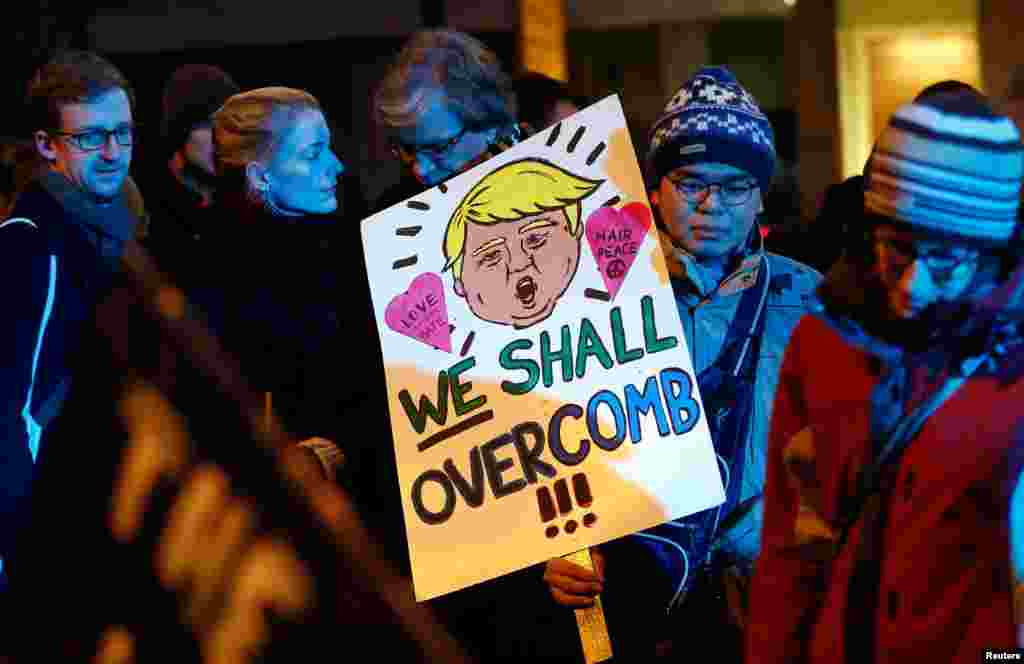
[(713, 119)]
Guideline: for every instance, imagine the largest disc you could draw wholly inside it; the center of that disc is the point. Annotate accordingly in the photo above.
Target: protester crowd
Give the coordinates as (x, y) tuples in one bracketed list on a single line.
[(197, 464)]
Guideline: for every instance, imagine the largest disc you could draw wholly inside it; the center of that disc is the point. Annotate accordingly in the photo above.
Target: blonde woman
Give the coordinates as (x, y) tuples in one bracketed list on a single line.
[(267, 282)]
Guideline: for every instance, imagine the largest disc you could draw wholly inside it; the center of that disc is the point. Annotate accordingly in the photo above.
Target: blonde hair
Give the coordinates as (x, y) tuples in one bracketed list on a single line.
[(515, 191), (248, 127), (466, 72)]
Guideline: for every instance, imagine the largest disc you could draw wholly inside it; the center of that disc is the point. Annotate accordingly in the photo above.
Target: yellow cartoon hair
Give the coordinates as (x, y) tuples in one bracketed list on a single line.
[(516, 190)]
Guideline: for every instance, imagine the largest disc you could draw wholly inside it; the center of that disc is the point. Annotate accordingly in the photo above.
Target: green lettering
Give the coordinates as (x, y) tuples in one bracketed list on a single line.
[(651, 341), (418, 416), (622, 355), (510, 363), (549, 357), (460, 389), (590, 345)]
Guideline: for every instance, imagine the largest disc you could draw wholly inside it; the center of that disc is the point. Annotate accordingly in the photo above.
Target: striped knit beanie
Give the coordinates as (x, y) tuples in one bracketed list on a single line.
[(951, 166), (712, 118)]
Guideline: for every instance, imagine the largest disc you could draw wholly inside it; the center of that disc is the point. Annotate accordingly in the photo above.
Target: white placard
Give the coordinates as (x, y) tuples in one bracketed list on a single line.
[(541, 393)]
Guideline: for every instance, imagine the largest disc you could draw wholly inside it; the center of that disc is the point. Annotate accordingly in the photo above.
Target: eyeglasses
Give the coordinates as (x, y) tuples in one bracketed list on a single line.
[(94, 139), (944, 266), (409, 153), (733, 192)]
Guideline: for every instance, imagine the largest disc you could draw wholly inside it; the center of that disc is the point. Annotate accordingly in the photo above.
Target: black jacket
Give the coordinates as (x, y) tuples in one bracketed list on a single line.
[(269, 292), (272, 290), (178, 223), (55, 262)]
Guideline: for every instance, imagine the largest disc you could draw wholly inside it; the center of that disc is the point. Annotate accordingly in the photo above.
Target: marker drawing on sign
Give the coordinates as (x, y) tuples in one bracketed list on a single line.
[(456, 429), (421, 313), (581, 488), (553, 136), (467, 343), (615, 236), (562, 497), (563, 501), (525, 219), (575, 139), (514, 374)]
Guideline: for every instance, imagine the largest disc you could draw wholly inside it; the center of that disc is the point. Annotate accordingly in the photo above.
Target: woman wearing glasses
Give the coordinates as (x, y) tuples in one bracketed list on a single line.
[(892, 530)]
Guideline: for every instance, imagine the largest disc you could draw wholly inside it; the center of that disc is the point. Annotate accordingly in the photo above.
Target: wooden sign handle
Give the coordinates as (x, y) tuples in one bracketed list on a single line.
[(597, 646)]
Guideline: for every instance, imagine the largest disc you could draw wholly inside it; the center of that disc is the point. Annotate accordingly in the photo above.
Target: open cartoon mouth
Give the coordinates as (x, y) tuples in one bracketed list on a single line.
[(526, 291)]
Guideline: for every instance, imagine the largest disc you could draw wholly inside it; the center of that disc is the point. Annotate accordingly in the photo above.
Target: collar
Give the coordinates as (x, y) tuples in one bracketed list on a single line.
[(853, 301), (182, 192), (685, 268), (108, 227)]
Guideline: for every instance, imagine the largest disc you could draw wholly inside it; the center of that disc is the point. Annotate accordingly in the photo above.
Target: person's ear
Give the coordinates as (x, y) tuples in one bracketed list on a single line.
[(257, 176), (44, 146), (459, 290)]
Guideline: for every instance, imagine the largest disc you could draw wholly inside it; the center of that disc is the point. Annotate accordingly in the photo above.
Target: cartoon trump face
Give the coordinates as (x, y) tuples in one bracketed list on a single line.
[(513, 243)]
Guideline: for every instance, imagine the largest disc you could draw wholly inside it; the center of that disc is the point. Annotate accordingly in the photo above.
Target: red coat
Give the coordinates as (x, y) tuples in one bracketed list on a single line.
[(945, 586)]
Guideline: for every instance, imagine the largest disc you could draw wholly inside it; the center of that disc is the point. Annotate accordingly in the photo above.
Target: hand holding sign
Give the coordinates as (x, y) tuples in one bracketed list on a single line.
[(421, 312), (615, 237)]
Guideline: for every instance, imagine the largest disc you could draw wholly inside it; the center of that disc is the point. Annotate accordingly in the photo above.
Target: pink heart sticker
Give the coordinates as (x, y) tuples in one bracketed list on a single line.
[(615, 237), (421, 312)]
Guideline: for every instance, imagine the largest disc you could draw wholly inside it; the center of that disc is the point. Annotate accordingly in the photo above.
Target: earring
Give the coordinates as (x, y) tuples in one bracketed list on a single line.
[(261, 196), (268, 203)]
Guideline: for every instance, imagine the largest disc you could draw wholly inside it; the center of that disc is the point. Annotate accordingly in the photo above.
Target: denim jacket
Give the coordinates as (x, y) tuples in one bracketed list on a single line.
[(706, 310)]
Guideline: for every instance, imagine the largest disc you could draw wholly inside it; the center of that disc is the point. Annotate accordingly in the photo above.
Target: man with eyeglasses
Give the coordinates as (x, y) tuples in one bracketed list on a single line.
[(445, 106), (678, 589), (894, 513), (57, 250)]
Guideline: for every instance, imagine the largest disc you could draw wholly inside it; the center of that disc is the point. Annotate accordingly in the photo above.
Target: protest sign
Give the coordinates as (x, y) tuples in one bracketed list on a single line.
[(541, 394)]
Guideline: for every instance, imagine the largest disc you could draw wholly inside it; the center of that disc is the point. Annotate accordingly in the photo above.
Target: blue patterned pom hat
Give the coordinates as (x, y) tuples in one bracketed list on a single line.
[(713, 119), (950, 166)]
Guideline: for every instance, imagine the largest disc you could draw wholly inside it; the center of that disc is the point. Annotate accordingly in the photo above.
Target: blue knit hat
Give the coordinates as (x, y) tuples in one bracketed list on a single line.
[(713, 119), (950, 166)]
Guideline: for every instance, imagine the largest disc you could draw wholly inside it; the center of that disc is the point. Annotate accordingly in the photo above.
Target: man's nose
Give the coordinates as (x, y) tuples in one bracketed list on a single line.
[(713, 199), (111, 149)]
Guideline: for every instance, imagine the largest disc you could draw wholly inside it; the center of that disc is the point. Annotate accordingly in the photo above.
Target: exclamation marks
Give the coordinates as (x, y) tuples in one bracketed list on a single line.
[(563, 501)]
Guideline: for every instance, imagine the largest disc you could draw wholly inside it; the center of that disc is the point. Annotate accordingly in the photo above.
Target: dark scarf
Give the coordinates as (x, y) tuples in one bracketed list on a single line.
[(854, 302), (107, 227)]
